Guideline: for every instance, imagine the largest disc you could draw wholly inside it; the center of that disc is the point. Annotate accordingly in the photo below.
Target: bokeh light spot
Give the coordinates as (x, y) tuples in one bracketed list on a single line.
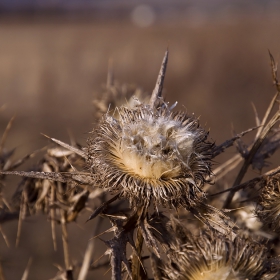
[(143, 16)]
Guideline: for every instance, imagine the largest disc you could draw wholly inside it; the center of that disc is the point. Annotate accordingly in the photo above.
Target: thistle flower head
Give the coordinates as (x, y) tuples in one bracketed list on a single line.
[(269, 207), (150, 153), (209, 257)]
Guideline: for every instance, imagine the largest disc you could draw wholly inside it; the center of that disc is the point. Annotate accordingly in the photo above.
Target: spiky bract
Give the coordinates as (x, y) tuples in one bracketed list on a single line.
[(150, 154)]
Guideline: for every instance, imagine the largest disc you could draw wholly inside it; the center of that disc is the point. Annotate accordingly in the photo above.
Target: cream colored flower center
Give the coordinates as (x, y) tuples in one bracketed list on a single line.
[(155, 149), (221, 273)]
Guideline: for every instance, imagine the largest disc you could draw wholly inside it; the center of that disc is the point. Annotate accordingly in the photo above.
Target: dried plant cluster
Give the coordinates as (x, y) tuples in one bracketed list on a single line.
[(213, 256), (269, 208), (160, 161)]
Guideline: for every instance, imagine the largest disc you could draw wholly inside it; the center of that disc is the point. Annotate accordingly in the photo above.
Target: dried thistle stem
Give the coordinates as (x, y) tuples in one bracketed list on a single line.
[(4, 237), (135, 259), (21, 217), (52, 212), (261, 134), (27, 269), (66, 252), (86, 262), (251, 155)]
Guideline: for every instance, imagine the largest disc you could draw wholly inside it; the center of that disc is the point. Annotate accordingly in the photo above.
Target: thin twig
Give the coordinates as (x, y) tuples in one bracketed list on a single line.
[(267, 113), (21, 217), (261, 134), (4, 137), (102, 207), (103, 232), (25, 158), (221, 148), (4, 237), (251, 182), (66, 252), (248, 160), (274, 67), (67, 146), (26, 271), (86, 262), (227, 166), (52, 213), (7, 204)]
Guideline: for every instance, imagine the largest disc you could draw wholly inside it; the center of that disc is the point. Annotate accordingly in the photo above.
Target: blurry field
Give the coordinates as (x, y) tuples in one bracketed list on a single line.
[(50, 70)]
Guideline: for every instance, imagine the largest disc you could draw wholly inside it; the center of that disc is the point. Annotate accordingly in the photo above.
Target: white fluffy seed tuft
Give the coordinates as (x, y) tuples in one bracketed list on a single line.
[(155, 148)]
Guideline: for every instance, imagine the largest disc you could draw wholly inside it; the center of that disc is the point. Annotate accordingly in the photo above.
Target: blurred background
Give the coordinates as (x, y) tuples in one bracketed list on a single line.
[(54, 59)]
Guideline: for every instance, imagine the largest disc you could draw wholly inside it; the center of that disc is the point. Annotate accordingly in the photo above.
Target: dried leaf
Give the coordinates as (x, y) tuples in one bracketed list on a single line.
[(102, 208), (214, 219), (221, 148), (160, 226), (78, 177), (148, 237), (267, 149), (68, 147), (79, 201), (242, 148)]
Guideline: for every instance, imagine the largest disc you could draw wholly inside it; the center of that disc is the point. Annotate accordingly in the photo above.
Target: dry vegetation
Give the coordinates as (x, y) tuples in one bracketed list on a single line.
[(43, 217)]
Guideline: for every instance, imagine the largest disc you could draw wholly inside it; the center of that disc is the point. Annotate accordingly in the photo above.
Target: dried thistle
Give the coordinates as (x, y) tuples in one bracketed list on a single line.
[(115, 94), (45, 195), (268, 209), (8, 211), (216, 257), (266, 141), (151, 154)]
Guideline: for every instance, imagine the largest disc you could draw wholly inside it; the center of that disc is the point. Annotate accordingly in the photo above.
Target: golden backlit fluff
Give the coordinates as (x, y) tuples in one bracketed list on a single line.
[(151, 153), (212, 257)]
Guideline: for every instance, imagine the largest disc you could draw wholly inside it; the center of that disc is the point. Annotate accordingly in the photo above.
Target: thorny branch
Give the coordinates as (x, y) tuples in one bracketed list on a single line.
[(252, 182), (261, 135)]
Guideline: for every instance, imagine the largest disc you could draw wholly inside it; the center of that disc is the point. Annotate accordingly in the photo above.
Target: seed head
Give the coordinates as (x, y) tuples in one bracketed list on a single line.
[(151, 154), (210, 257), (269, 207)]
